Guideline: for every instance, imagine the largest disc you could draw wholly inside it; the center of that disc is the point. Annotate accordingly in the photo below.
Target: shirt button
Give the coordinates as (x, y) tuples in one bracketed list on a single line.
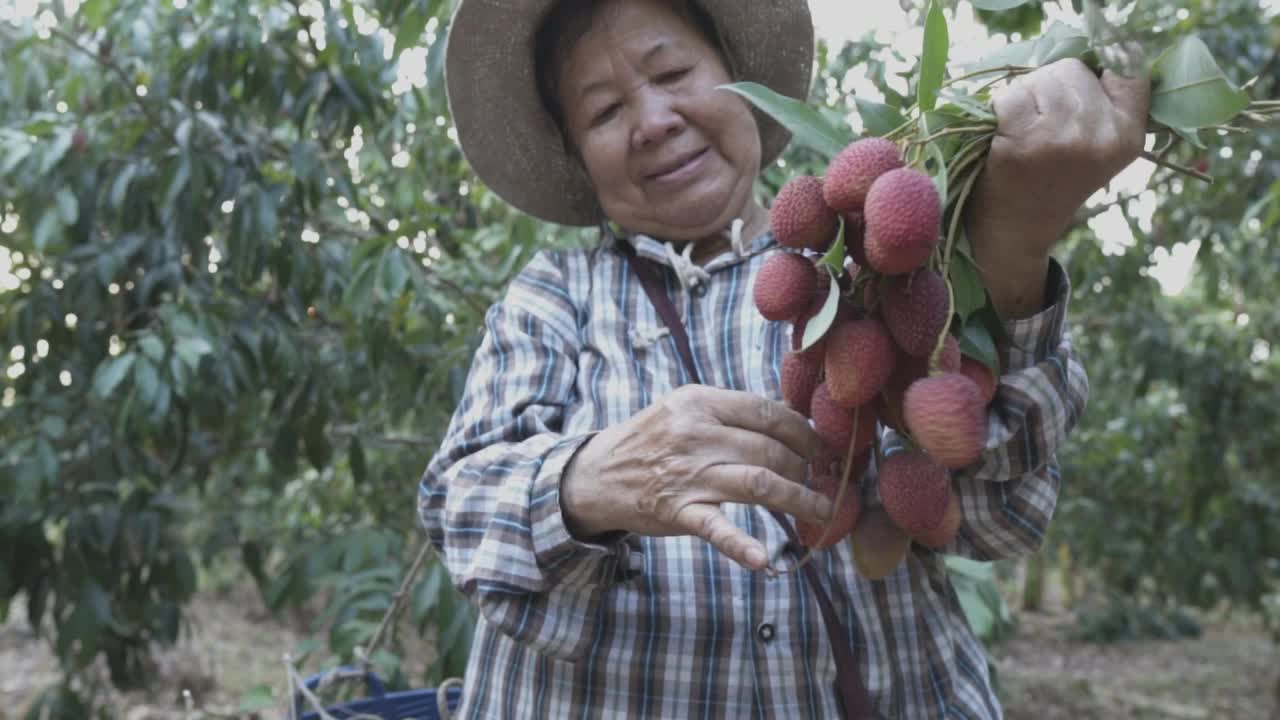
[(700, 290), (765, 632)]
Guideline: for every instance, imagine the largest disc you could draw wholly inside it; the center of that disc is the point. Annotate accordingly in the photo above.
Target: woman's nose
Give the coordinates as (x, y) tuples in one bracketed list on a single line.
[(656, 118)]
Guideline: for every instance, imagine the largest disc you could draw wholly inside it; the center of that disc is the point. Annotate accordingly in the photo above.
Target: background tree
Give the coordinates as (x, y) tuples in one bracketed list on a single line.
[(247, 269)]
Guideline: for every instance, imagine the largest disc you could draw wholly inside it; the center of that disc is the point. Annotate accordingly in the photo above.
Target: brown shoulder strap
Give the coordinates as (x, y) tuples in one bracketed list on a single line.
[(853, 695)]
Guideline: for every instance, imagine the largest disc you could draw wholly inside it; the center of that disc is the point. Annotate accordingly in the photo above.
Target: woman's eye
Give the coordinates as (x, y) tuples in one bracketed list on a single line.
[(671, 76), (606, 113)]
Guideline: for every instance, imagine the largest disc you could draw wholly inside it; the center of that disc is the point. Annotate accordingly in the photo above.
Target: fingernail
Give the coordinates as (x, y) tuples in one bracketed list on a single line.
[(755, 557), (826, 509)]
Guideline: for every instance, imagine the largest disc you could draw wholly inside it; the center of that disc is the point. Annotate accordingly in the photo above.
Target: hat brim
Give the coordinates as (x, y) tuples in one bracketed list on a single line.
[(510, 140)]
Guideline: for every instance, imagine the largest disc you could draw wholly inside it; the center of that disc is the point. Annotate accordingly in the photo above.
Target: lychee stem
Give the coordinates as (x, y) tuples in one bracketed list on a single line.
[(1006, 72), (957, 211), (982, 128)]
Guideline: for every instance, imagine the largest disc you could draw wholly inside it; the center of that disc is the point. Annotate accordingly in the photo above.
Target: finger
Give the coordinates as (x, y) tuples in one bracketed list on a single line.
[(760, 486), (1131, 97), (710, 524), (735, 446), (749, 411), (1016, 107)]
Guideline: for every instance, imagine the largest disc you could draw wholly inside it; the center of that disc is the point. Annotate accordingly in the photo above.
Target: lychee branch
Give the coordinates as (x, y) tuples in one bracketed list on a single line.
[(836, 504), (967, 129)]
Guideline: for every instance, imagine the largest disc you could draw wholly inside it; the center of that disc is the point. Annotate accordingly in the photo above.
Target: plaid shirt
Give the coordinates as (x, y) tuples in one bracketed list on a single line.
[(667, 627)]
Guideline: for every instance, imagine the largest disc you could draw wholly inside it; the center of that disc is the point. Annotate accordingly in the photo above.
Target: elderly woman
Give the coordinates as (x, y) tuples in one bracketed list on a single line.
[(609, 490)]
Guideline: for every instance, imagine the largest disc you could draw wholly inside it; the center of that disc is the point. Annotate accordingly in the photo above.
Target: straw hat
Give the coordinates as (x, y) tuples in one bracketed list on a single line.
[(513, 144)]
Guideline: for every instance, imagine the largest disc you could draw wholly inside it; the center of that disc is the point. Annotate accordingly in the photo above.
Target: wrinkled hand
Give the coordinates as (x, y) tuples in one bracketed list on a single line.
[(1062, 134), (667, 469)]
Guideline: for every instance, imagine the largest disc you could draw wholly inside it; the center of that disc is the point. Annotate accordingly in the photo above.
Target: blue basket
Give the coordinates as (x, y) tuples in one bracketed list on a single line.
[(404, 705)]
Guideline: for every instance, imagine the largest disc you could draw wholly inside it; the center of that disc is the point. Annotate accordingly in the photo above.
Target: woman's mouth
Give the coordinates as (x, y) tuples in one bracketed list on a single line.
[(681, 169)]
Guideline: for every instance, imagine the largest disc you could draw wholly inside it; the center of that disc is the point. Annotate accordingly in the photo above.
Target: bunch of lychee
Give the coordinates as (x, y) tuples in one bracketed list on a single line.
[(887, 358)]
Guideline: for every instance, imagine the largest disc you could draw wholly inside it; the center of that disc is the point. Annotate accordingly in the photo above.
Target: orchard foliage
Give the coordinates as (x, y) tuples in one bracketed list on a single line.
[(247, 268)]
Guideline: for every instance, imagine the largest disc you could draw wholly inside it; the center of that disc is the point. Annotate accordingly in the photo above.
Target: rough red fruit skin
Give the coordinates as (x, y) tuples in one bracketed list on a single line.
[(860, 358), (784, 286), (903, 214), (915, 490), (834, 424), (915, 310), (801, 373), (981, 376), (855, 237), (947, 417), (846, 514), (909, 370), (941, 535), (851, 173), (800, 218)]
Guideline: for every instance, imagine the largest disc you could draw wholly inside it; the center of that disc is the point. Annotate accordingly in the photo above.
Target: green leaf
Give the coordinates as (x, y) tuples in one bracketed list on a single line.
[(355, 457), (933, 63), (937, 167), (146, 379), (820, 323), (53, 427), (976, 342), (806, 124), (110, 373), (56, 150), (191, 349), (179, 183), (120, 187), (966, 285), (48, 230), (152, 347), (997, 5), (319, 449), (411, 26), (877, 118), (68, 206), (259, 697), (833, 260), (1058, 42), (268, 218), (1189, 90), (94, 12)]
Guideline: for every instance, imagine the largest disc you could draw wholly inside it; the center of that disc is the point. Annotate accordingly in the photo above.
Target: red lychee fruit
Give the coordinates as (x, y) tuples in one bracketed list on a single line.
[(944, 532), (903, 213), (915, 490), (822, 536), (800, 218), (915, 310), (981, 375), (835, 424), (946, 416), (801, 373), (878, 544), (851, 173), (860, 358), (784, 286), (909, 370)]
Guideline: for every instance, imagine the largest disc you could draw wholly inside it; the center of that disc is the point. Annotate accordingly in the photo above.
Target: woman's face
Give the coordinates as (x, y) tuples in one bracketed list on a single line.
[(669, 155)]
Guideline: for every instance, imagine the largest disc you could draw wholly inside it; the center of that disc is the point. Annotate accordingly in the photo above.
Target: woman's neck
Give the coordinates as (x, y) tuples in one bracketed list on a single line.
[(755, 222)]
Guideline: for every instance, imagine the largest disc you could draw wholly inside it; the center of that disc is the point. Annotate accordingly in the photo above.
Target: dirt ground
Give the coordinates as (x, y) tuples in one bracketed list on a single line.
[(233, 646)]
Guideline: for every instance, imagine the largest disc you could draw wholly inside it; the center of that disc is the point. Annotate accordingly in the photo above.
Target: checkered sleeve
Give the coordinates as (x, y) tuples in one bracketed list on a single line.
[(490, 498), (1008, 497)]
